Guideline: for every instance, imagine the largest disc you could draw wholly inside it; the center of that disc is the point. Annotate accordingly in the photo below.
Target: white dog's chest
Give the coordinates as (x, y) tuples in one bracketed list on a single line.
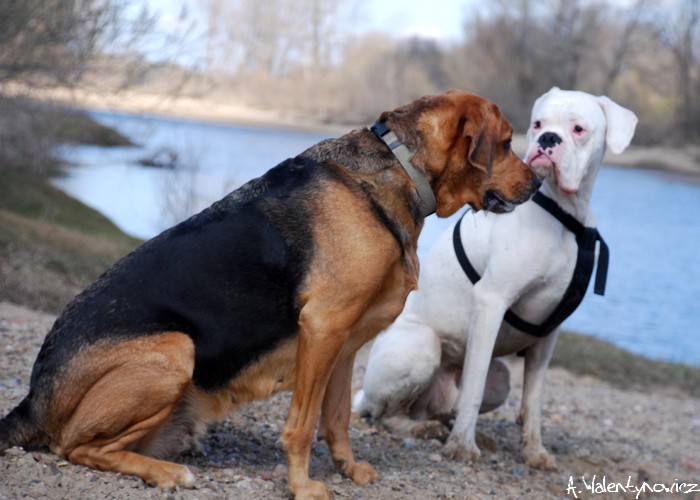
[(536, 277)]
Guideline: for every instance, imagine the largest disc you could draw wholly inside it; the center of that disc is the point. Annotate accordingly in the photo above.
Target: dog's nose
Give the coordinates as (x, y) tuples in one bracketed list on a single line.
[(536, 183), (549, 140)]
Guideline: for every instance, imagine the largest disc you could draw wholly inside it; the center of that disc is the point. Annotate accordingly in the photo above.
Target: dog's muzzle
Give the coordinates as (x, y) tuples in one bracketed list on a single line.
[(494, 202)]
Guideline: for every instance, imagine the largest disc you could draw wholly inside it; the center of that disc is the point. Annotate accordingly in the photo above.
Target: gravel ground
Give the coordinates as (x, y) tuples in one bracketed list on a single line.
[(597, 433)]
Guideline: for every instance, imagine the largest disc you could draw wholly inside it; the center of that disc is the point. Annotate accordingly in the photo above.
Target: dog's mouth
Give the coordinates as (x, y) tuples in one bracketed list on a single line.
[(494, 202), (541, 163), (540, 158)]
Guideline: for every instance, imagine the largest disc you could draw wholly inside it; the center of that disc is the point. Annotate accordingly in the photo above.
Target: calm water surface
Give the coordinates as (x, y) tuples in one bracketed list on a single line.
[(649, 219)]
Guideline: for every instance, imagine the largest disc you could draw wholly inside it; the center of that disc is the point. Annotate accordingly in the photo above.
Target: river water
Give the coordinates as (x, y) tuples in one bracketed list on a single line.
[(650, 220)]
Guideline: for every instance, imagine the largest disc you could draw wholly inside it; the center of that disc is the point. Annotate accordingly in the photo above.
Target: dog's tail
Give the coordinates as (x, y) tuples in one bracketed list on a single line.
[(18, 428)]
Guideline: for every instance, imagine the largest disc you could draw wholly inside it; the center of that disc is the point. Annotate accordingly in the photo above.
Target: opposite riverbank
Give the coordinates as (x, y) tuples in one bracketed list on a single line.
[(682, 160)]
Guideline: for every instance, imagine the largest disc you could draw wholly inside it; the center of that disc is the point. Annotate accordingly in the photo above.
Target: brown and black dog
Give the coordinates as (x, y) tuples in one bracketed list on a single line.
[(274, 287)]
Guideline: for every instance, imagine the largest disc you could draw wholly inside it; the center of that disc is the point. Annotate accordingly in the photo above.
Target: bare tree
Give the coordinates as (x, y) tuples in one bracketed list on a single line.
[(678, 29), (279, 53), (61, 43), (49, 42), (575, 26), (515, 50), (508, 54), (620, 40)]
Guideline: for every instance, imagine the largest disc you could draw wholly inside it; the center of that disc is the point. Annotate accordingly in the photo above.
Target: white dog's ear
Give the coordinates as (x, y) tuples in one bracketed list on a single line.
[(621, 124)]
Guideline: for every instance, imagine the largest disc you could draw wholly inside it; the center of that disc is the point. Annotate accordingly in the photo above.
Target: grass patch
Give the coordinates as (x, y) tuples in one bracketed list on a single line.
[(585, 355), (51, 245), (77, 127), (36, 199)]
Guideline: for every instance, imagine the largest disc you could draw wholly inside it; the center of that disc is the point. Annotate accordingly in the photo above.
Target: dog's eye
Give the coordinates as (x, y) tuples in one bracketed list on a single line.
[(578, 129), (536, 125), (506, 145)]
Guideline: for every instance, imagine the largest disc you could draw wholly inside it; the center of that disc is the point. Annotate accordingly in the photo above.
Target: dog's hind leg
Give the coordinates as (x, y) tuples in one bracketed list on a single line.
[(401, 367), (115, 398), (537, 358), (335, 419)]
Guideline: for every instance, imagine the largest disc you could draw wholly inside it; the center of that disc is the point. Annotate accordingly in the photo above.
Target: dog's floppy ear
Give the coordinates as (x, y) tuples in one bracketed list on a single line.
[(621, 124), (480, 145)]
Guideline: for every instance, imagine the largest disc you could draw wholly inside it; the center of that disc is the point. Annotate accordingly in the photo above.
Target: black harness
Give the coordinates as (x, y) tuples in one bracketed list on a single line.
[(586, 237)]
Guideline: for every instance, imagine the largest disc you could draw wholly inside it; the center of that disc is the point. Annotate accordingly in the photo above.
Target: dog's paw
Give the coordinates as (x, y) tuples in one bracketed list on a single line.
[(539, 458), (312, 490), (189, 479), (430, 429), (361, 473), (462, 452), (170, 476), (402, 425)]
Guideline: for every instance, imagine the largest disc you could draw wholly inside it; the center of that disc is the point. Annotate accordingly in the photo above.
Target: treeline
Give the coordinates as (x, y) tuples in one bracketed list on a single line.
[(302, 55), (306, 56)]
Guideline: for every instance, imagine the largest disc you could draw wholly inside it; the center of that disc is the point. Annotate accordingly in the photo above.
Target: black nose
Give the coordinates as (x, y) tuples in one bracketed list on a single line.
[(536, 183), (549, 140)]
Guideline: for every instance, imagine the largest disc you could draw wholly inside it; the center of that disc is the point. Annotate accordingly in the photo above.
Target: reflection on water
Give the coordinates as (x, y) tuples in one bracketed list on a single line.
[(649, 220), (215, 159)]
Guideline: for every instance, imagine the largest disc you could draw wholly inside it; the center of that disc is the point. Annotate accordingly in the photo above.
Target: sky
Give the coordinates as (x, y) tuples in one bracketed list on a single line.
[(410, 17), (402, 17), (441, 19)]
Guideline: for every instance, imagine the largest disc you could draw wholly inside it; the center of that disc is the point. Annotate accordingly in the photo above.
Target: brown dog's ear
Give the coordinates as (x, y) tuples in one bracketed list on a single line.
[(481, 145), (384, 117)]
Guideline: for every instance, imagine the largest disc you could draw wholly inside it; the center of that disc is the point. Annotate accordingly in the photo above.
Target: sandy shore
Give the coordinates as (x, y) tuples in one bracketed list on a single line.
[(191, 108), (684, 161)]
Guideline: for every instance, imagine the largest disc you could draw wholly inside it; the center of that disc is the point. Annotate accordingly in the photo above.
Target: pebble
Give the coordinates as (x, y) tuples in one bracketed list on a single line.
[(408, 444), (280, 470), (560, 446), (690, 466)]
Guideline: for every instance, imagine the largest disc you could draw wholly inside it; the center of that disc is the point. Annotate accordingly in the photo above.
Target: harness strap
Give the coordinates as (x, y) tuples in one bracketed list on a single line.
[(586, 238), (425, 192), (583, 238)]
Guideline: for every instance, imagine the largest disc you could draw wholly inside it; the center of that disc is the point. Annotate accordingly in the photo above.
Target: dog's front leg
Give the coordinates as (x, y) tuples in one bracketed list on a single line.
[(335, 419), (537, 358), (488, 309), (317, 353)]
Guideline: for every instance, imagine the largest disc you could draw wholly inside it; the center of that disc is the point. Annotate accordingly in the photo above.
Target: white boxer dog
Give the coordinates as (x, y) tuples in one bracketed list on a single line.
[(532, 267)]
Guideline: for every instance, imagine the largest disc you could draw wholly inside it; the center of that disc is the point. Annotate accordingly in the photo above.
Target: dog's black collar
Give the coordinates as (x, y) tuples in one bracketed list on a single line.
[(426, 196), (586, 237)]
